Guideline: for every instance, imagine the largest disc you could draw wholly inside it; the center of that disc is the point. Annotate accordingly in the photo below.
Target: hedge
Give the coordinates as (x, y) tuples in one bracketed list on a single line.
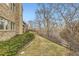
[(11, 47)]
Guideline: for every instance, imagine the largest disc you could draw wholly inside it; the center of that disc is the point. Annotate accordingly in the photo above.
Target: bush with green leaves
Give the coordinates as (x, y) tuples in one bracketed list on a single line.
[(12, 46)]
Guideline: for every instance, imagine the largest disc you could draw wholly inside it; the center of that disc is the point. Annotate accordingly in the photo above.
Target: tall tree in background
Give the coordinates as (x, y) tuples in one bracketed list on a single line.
[(44, 14), (70, 15), (51, 16)]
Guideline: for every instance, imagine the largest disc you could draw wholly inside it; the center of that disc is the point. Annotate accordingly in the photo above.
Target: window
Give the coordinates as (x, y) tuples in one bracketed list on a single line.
[(13, 6), (6, 25), (1, 24), (12, 26)]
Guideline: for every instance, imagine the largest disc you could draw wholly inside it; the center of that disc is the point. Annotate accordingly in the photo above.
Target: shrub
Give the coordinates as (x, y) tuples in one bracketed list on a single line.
[(71, 35), (11, 47)]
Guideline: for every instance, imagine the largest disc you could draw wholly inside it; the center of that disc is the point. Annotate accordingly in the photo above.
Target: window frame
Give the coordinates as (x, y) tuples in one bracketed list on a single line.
[(2, 20), (13, 7), (8, 25)]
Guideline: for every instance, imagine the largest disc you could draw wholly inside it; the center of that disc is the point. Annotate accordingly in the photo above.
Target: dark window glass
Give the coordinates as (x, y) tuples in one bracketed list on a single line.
[(1, 24)]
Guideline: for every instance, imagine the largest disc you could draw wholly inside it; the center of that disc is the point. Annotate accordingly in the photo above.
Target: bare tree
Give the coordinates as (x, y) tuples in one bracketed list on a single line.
[(44, 14), (51, 16), (70, 15)]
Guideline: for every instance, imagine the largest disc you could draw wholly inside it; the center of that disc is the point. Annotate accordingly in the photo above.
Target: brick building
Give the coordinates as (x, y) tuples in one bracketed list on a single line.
[(11, 21), (25, 27)]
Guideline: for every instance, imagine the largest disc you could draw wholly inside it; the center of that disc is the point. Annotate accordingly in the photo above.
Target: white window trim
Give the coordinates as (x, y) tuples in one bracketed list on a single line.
[(7, 24)]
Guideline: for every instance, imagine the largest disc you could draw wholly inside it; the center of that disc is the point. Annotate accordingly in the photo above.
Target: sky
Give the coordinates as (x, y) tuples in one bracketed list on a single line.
[(29, 11)]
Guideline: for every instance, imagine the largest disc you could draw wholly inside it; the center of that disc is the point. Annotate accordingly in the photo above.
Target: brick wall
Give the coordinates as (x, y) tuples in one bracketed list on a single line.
[(7, 13), (5, 35)]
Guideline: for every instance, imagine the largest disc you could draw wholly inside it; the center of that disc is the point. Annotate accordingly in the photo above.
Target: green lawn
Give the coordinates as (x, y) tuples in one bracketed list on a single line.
[(12, 46), (42, 47)]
